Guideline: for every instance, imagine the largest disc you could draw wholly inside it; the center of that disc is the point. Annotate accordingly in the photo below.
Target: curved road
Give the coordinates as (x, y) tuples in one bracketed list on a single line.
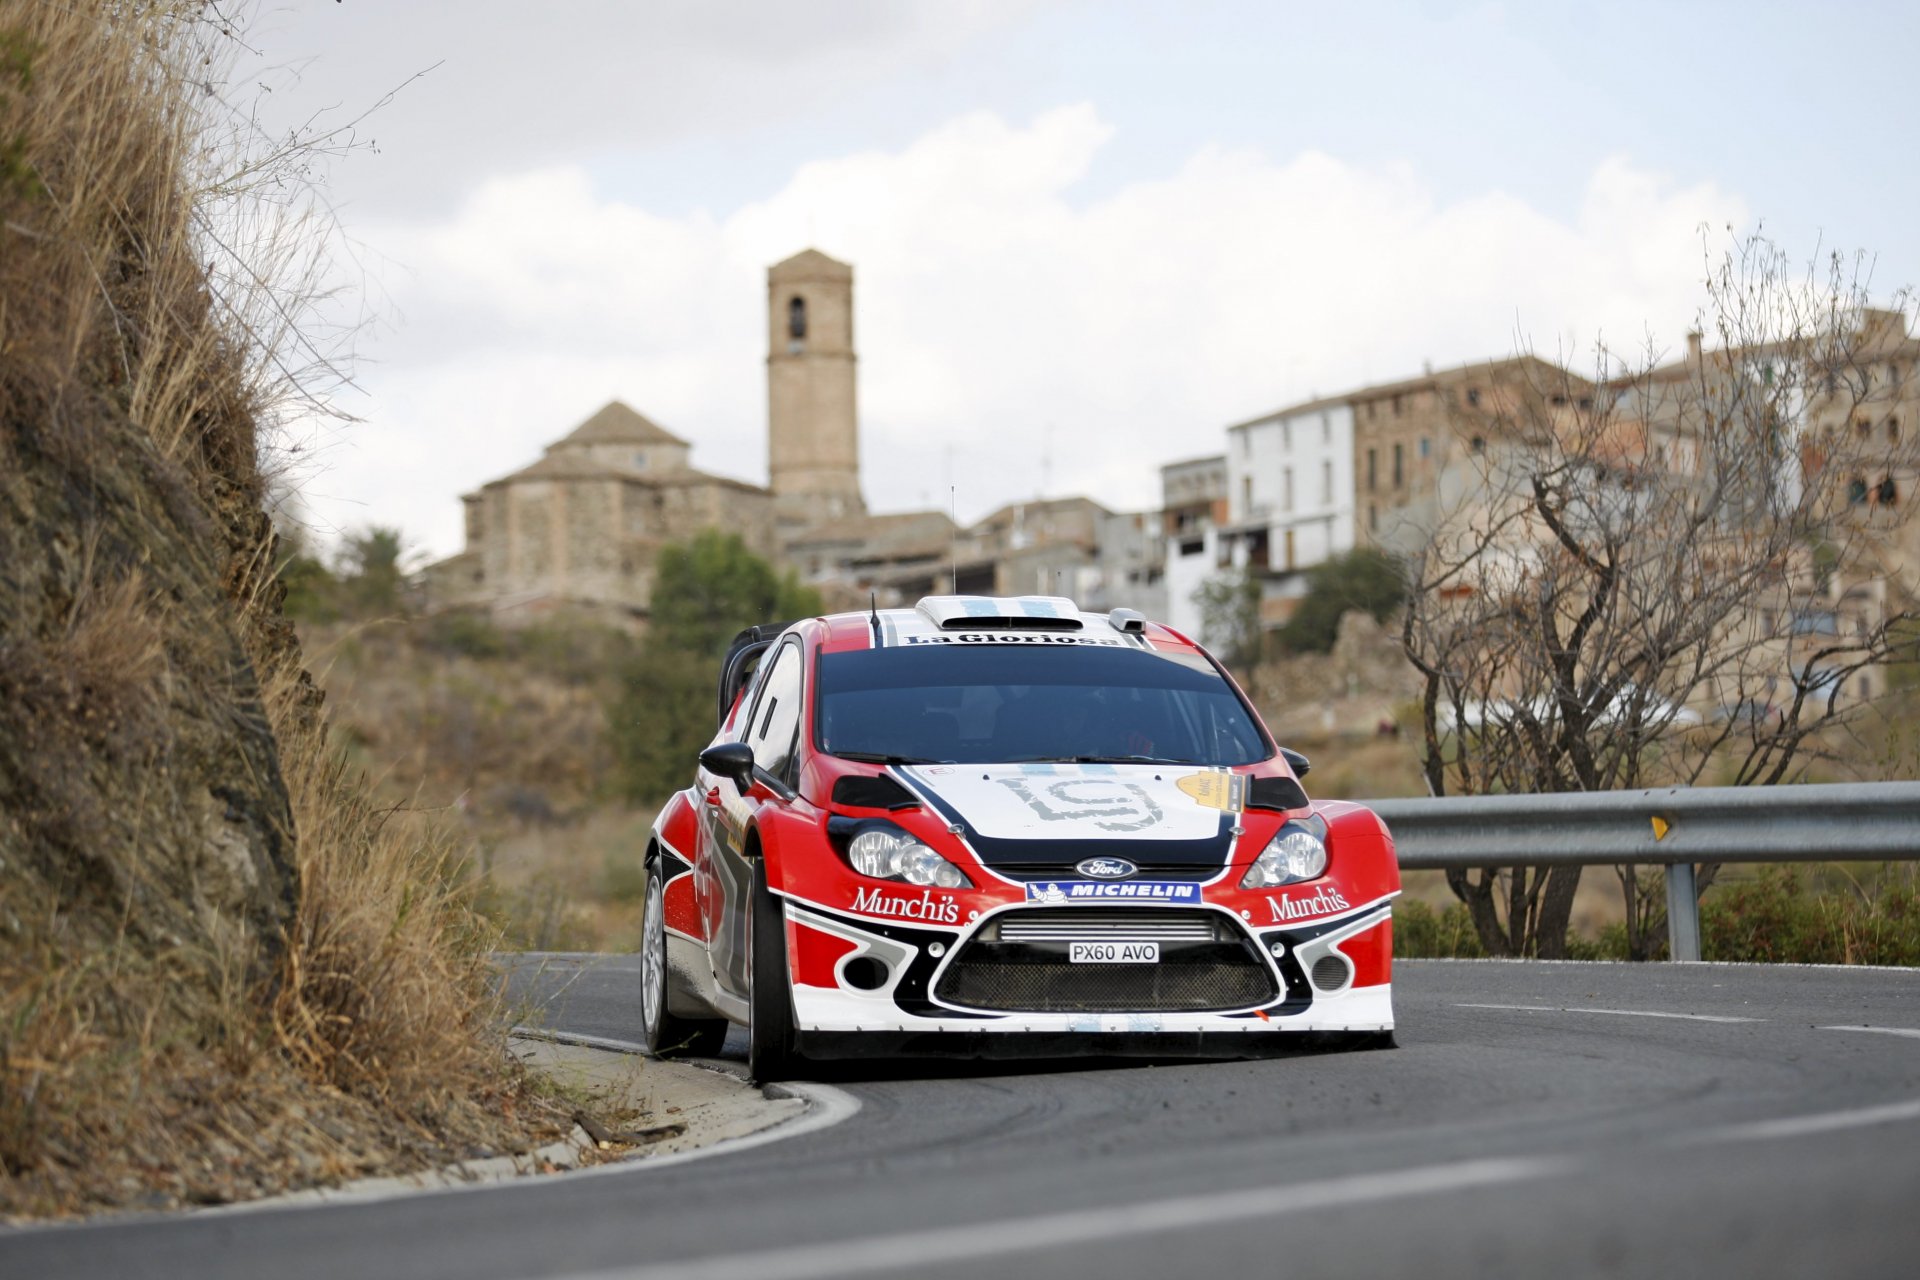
[(1538, 1120)]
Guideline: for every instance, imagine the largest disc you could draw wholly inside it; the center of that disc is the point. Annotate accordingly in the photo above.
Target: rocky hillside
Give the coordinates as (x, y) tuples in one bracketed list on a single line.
[(213, 954)]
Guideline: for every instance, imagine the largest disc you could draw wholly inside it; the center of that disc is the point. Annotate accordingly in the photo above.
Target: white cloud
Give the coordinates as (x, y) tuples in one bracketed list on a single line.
[(995, 312)]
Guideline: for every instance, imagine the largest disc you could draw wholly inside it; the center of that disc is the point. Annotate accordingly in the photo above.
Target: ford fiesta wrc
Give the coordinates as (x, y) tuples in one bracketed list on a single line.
[(1002, 827)]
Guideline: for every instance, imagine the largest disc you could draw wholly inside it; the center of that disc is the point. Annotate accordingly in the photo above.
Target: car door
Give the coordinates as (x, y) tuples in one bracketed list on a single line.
[(772, 730)]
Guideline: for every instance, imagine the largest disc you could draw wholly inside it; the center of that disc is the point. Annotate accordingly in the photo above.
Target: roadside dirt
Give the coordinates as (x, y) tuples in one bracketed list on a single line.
[(629, 1107)]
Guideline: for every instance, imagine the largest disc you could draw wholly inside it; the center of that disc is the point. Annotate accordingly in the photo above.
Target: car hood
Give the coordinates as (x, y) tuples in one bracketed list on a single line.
[(1044, 814)]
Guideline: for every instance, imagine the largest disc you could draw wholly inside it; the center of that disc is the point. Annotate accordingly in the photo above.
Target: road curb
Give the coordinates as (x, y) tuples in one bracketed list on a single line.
[(570, 1156)]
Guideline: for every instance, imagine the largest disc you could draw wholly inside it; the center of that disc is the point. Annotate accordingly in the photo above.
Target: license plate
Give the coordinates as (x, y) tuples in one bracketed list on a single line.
[(1113, 952)]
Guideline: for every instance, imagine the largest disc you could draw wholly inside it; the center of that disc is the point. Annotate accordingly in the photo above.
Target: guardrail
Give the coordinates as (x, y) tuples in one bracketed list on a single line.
[(1674, 827)]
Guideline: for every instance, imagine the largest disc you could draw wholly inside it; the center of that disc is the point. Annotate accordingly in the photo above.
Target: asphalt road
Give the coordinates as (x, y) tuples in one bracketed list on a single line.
[(1539, 1120)]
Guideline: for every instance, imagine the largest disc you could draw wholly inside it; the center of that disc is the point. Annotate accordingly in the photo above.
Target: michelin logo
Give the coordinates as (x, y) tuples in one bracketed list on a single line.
[(1053, 893)]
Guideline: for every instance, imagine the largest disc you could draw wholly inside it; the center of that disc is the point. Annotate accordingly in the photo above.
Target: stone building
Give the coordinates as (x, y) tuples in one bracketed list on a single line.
[(580, 528), (813, 429), (1407, 434)]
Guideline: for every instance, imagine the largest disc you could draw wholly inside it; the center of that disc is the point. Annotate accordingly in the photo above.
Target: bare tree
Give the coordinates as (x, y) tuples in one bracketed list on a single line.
[(1669, 573)]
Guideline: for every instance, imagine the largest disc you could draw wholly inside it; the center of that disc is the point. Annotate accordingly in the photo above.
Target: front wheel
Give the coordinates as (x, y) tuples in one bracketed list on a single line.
[(665, 1032), (771, 1049)]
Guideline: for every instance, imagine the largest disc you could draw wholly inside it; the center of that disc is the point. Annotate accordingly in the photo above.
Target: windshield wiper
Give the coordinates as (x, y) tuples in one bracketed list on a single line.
[(878, 757)]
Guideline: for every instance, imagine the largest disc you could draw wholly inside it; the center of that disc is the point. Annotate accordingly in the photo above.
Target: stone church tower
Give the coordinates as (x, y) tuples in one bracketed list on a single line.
[(813, 431)]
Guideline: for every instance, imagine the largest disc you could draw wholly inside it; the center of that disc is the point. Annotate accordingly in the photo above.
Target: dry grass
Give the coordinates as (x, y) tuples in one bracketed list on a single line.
[(506, 735), (223, 968), (575, 886)]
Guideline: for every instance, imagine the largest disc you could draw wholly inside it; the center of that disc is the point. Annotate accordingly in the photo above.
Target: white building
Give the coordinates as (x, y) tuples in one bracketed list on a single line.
[(1290, 502), (1193, 500)]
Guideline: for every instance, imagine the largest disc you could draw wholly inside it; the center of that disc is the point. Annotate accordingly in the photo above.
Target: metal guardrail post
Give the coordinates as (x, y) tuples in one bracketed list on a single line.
[(1683, 913)]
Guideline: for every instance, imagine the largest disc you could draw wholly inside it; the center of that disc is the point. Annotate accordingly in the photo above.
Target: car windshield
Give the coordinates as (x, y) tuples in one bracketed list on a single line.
[(981, 703)]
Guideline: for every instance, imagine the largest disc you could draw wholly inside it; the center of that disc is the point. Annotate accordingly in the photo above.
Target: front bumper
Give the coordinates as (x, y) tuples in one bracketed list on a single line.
[(890, 981)]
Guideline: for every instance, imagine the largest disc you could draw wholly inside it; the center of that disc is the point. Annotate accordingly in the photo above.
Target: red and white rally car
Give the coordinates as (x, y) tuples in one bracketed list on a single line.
[(998, 827)]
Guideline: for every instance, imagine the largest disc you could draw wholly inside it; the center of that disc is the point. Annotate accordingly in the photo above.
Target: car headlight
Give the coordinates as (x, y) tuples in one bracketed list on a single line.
[(895, 855), (1298, 851)]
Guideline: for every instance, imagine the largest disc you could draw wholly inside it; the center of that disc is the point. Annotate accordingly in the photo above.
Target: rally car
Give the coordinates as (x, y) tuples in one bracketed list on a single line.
[(999, 827)]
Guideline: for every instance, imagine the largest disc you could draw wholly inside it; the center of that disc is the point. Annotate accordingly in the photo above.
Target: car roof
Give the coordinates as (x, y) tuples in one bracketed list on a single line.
[(1037, 620)]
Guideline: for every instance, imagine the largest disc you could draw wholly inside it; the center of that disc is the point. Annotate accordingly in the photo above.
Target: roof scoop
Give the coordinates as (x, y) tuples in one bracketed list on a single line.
[(1001, 613)]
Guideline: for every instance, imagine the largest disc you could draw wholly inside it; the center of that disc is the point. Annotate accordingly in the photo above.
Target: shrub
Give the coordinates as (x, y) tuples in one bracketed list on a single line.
[(1421, 933), (704, 593), (1365, 579), (1776, 918)]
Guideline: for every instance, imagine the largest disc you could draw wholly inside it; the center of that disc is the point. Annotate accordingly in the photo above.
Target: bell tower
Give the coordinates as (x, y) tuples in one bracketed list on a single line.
[(813, 429)]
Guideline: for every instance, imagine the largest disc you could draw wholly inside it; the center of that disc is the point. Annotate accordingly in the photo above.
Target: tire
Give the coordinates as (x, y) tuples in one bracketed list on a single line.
[(665, 1033), (772, 1050)]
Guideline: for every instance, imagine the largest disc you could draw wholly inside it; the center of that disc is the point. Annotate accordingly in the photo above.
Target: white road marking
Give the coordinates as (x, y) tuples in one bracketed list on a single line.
[(907, 1251), (1801, 1126), (1880, 1031), (1907, 969), (1621, 1013)]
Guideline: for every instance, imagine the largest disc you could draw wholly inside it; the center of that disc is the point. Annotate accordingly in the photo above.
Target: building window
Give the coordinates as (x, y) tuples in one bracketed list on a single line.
[(1326, 428), (1893, 431), (1399, 470), (1426, 447), (1286, 489), (1373, 470), (1246, 496), (797, 318), (1289, 549), (1889, 492), (1396, 406), (1857, 492), (1373, 518), (1862, 426), (1326, 482), (1478, 444), (1473, 396), (640, 460)]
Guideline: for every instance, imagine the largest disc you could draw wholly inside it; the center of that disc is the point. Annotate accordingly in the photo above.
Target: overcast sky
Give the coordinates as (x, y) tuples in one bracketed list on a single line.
[(1087, 236)]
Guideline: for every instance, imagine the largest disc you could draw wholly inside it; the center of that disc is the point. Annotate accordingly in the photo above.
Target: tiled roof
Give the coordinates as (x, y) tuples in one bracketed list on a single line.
[(617, 423)]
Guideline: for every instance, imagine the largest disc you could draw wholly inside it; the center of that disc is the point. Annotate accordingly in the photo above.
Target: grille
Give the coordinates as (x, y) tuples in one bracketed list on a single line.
[(1057, 987), (1329, 972), (1085, 924), (1019, 963)]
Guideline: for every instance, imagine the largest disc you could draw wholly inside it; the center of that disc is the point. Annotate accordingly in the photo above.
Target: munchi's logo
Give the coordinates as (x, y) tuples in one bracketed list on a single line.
[(1323, 902), (876, 902)]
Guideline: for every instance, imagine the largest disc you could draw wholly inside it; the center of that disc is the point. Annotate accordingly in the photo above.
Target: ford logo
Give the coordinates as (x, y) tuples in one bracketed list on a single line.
[(1106, 868)]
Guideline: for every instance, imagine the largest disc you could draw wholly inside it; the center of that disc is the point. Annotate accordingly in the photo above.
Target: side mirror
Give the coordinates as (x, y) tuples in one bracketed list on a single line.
[(1296, 762), (731, 760)]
